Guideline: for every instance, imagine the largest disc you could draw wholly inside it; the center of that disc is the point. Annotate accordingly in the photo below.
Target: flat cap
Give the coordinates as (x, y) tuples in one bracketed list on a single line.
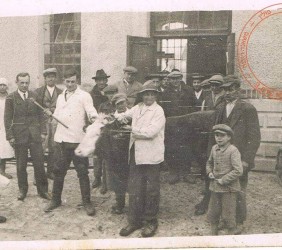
[(222, 128), (3, 81), (130, 69), (175, 74), (230, 80), (149, 86), (216, 79), (110, 88), (49, 71), (119, 97), (197, 76)]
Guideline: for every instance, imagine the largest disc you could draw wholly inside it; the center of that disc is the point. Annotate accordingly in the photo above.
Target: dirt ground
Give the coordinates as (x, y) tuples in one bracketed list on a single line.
[(27, 220)]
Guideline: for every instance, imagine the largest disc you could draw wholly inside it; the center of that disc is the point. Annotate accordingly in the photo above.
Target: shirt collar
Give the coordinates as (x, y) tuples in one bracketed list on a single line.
[(22, 94), (198, 93), (222, 149)]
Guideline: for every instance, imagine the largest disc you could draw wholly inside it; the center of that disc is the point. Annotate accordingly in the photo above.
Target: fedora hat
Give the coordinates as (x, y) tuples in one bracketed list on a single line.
[(100, 74)]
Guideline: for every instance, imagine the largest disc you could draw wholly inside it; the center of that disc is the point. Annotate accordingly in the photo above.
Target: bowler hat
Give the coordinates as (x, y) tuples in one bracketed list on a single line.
[(119, 97), (222, 128), (149, 86), (49, 71), (100, 74), (130, 69)]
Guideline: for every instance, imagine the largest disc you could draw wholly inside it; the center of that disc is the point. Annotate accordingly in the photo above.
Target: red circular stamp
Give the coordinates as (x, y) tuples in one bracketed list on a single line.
[(242, 51)]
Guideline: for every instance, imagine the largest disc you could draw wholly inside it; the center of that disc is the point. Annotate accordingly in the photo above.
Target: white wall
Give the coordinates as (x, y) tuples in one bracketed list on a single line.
[(103, 44), (20, 48)]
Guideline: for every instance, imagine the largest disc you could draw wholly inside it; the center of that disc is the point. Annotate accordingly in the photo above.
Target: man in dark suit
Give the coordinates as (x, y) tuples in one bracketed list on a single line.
[(242, 117), (47, 96), (25, 129), (198, 91)]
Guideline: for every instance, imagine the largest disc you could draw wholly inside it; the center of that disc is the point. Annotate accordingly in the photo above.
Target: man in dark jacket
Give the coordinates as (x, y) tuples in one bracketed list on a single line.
[(242, 117), (25, 130), (98, 98), (47, 96)]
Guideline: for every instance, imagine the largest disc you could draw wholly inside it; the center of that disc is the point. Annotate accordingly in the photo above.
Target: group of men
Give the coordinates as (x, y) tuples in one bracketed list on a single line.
[(56, 119)]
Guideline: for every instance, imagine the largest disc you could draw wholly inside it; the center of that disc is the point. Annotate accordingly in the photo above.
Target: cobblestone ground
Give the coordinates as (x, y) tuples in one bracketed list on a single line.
[(27, 221)]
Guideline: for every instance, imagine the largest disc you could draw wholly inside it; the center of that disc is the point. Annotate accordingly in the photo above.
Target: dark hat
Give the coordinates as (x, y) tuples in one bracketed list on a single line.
[(100, 74), (49, 71), (119, 97), (230, 80), (218, 79), (222, 128), (110, 88), (149, 86), (130, 69), (175, 74)]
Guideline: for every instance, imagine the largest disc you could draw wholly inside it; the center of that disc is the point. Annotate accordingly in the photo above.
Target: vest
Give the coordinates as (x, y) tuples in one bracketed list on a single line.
[(48, 101)]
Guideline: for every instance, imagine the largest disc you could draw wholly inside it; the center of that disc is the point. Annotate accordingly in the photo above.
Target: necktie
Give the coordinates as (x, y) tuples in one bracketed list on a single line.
[(24, 95)]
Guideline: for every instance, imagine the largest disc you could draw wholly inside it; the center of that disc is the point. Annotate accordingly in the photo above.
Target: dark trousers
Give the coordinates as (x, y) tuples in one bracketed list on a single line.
[(36, 153), (144, 193), (63, 160), (223, 205), (98, 167)]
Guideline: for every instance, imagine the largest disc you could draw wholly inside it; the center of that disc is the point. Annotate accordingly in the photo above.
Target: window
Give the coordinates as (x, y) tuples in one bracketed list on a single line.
[(62, 42), (190, 23)]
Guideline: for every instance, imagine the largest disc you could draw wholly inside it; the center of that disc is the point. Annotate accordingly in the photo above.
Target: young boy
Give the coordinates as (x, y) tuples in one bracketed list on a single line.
[(224, 167)]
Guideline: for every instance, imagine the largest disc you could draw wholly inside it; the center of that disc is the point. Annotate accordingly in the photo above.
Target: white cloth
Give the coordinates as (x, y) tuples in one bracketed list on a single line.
[(22, 94), (73, 113), (198, 94), (50, 90), (6, 151), (229, 107), (148, 124)]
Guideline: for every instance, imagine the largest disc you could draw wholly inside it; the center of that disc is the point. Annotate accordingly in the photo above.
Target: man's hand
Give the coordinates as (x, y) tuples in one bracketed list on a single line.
[(245, 166), (12, 142), (43, 137), (47, 112), (211, 176), (92, 119)]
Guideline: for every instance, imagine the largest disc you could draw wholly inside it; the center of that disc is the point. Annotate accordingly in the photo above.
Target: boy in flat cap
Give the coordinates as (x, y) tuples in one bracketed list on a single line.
[(128, 85), (224, 167), (47, 96)]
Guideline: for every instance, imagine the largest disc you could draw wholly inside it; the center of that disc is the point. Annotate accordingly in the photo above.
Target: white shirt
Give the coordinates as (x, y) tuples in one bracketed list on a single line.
[(198, 94), (73, 113), (229, 107), (22, 94), (50, 90)]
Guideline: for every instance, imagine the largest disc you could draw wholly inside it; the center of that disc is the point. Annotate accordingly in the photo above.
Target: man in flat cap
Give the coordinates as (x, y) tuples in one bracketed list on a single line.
[(26, 130), (242, 117), (128, 85), (47, 96), (101, 80)]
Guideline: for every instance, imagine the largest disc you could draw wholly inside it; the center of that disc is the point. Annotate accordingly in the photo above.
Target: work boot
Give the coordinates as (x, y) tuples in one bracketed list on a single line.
[(119, 206), (46, 196), (214, 229), (97, 182), (52, 205), (129, 229), (173, 179), (239, 229), (2, 219), (21, 196), (150, 229), (89, 207), (3, 172)]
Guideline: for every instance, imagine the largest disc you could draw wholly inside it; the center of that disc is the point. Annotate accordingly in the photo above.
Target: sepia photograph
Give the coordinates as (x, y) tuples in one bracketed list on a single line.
[(130, 124)]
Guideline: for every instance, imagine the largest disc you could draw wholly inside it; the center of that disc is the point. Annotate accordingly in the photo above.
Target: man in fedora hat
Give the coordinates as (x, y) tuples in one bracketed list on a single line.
[(146, 153), (47, 96), (128, 85), (101, 80)]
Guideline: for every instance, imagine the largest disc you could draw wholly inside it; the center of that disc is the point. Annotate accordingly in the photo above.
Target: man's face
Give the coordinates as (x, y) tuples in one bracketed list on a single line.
[(129, 77), (50, 79), (3, 88), (23, 83), (121, 106), (222, 138), (71, 83), (215, 88), (156, 81), (165, 82), (149, 97), (197, 85), (175, 82), (231, 93), (101, 83)]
